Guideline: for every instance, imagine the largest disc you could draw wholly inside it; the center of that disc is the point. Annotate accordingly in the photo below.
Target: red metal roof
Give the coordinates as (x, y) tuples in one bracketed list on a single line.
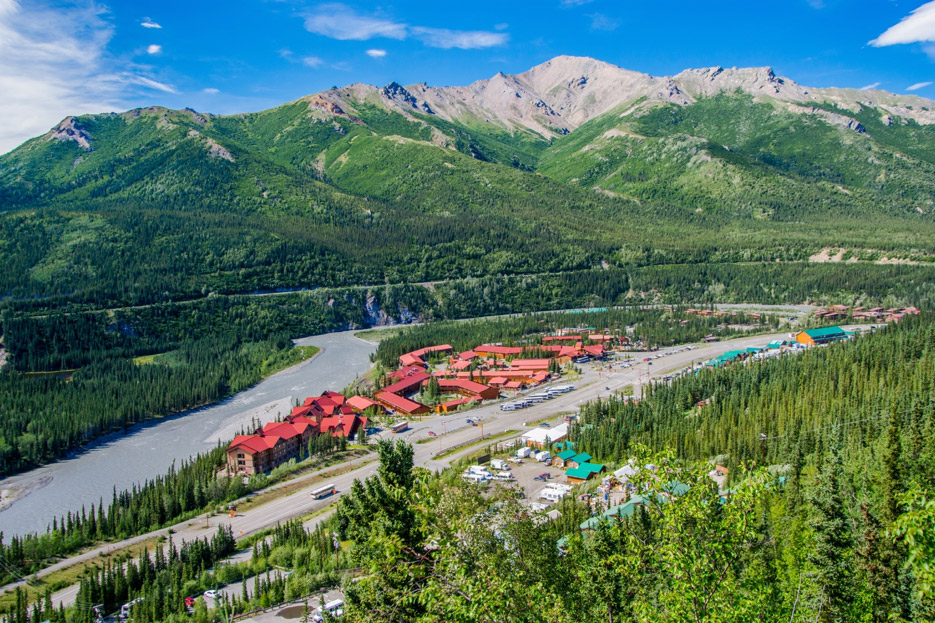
[(530, 364), (490, 349), (400, 403), (467, 355), (409, 384), (465, 384), (361, 403), (254, 443)]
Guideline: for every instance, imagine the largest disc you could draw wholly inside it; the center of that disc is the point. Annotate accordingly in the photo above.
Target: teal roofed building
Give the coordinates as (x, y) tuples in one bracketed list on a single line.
[(825, 335), (561, 458), (578, 459), (583, 472)]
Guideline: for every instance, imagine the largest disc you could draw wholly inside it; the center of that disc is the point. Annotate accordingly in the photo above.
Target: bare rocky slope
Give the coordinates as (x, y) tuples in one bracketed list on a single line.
[(561, 94)]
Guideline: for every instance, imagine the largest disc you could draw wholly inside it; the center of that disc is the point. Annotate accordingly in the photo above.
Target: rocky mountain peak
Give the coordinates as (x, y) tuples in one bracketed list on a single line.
[(69, 129)]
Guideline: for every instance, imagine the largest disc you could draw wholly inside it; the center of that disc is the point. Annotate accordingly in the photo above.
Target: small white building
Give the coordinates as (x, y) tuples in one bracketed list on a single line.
[(543, 438)]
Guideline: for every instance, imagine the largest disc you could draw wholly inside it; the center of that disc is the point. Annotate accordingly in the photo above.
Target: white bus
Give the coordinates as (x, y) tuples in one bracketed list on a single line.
[(331, 610), (323, 492), (400, 427)]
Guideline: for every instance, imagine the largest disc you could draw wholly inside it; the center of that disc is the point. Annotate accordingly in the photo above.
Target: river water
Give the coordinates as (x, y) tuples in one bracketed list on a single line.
[(150, 449)]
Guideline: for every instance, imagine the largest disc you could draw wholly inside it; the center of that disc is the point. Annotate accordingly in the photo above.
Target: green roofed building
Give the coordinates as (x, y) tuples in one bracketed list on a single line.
[(578, 459), (561, 458), (583, 472), (825, 335)]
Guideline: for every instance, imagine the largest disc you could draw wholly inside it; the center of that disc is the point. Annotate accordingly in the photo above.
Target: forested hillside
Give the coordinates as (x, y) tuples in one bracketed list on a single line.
[(146, 232), (826, 517), (364, 186)]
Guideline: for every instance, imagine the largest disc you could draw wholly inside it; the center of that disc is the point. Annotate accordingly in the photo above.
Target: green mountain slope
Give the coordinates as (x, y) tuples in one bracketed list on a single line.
[(362, 185)]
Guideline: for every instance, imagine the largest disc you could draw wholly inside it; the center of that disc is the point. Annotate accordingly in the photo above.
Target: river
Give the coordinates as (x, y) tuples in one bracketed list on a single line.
[(121, 460)]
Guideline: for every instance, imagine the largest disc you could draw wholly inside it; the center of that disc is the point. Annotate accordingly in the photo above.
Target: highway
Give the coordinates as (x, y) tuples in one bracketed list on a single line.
[(594, 383)]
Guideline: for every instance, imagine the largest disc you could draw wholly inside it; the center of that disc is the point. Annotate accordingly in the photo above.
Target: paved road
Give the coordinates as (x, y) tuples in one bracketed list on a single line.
[(593, 384)]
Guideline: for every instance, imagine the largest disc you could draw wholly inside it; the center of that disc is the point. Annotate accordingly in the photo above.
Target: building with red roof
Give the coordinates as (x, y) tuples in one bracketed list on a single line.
[(595, 350), (530, 364), (271, 446), (408, 384), (278, 442), (486, 350), (469, 388), (400, 403), (453, 405), (361, 403), (561, 338), (417, 357)]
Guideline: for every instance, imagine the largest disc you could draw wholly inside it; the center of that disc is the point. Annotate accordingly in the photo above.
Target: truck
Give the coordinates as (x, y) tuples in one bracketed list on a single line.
[(399, 427), (499, 464)]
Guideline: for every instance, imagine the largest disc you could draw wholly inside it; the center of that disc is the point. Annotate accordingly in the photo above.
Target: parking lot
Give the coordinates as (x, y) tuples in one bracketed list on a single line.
[(526, 476)]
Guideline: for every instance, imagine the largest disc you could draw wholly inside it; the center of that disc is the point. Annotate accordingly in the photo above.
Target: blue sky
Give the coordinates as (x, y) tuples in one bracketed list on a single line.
[(59, 58)]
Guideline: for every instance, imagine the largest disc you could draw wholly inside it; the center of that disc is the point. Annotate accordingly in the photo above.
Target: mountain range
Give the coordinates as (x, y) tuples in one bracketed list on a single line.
[(574, 164)]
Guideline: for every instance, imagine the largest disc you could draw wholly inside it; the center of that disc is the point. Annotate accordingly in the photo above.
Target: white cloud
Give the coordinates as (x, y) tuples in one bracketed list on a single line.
[(148, 23), (211, 91), (150, 83), (918, 85), (339, 21), (576, 2), (312, 61), (154, 49), (599, 21), (462, 39), (916, 27), (54, 63), (816, 4), (374, 53), (870, 87), (501, 26)]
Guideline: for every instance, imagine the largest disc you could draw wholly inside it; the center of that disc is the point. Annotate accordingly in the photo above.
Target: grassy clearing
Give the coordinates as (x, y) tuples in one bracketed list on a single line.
[(57, 580), (378, 335), (292, 486), (169, 358), (478, 442)]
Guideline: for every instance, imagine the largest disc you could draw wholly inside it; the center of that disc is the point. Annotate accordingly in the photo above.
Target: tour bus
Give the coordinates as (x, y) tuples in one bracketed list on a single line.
[(508, 407), (323, 492), (400, 427)]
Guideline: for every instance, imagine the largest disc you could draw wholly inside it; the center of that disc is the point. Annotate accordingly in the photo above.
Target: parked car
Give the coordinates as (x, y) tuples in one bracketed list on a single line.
[(545, 425), (431, 433), (211, 594)]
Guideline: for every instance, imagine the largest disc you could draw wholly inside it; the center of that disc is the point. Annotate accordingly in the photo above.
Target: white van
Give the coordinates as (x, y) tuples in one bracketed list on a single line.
[(331, 610)]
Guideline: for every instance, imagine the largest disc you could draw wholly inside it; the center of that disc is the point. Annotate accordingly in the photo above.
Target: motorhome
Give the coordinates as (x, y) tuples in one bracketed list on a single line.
[(499, 464), (475, 478), (523, 452), (331, 610), (543, 456), (479, 469)]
